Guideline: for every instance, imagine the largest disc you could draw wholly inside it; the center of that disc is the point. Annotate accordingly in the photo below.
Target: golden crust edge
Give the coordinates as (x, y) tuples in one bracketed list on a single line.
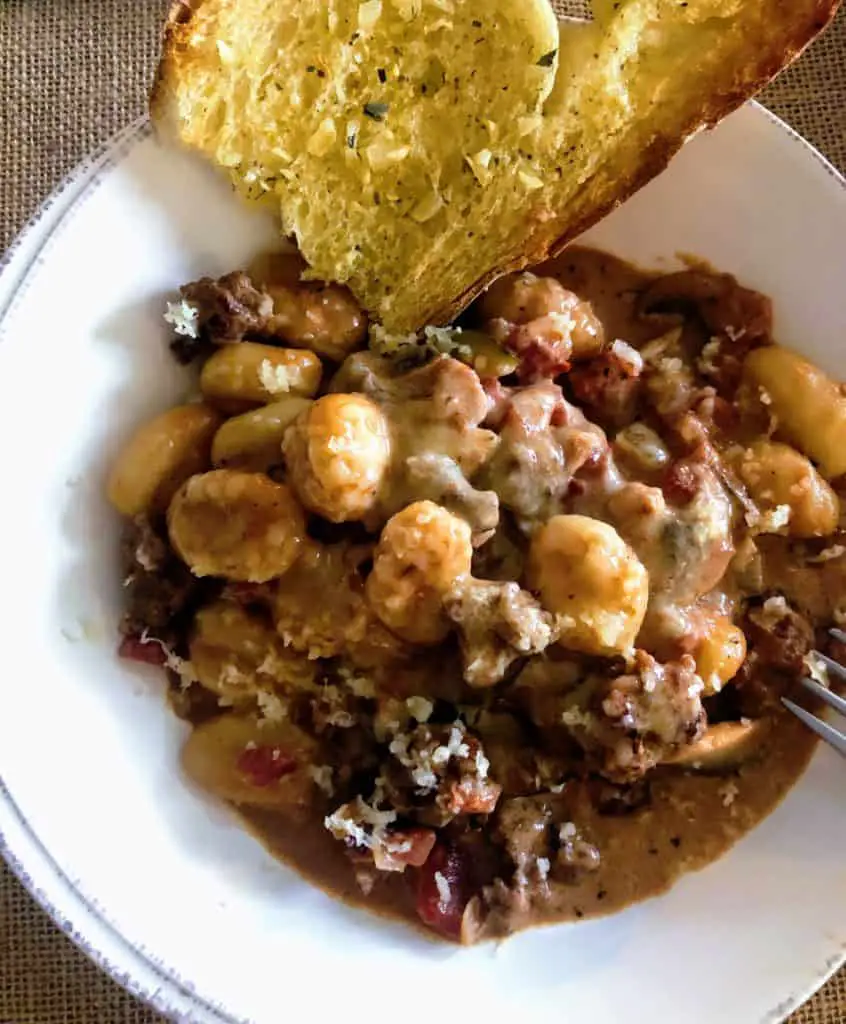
[(176, 26), (660, 152)]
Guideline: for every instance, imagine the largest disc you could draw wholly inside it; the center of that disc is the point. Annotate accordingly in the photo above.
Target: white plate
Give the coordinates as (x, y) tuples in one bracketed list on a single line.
[(159, 884)]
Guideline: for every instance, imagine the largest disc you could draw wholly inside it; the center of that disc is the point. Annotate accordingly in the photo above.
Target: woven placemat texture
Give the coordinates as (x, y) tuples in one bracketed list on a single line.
[(72, 72)]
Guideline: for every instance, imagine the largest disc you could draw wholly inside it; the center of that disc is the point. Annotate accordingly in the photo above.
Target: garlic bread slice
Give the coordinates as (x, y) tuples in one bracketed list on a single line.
[(418, 149)]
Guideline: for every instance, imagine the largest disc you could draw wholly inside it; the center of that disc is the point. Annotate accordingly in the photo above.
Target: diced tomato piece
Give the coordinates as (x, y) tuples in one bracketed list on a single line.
[(607, 384), (265, 765), (473, 796), (148, 651), (442, 890), (544, 352), (681, 483)]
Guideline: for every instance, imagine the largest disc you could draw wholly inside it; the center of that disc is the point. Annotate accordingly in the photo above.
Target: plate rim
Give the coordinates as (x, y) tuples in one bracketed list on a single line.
[(78, 918)]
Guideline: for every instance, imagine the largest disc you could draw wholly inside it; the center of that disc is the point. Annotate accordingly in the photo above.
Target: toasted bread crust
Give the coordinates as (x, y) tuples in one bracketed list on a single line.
[(771, 61), (551, 232), (177, 25)]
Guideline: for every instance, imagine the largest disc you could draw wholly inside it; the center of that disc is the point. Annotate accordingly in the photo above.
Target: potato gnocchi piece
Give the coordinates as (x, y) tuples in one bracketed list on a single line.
[(320, 609), (723, 747), (238, 656), (243, 375), (720, 653), (338, 454), (253, 440), (159, 456), (241, 526), (779, 478), (591, 580), (524, 298), (245, 760), (422, 552), (309, 314), (809, 407)]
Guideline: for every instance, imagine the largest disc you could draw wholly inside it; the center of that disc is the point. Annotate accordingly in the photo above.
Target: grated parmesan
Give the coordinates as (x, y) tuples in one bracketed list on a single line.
[(352, 820), (271, 706), (454, 747), (360, 685), (626, 354), (275, 379), (321, 774), (420, 708), (444, 891), (183, 317), (707, 357)]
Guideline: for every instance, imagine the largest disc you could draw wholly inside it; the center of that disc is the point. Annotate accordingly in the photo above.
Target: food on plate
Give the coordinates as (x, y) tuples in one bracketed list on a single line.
[(453, 140), (488, 625)]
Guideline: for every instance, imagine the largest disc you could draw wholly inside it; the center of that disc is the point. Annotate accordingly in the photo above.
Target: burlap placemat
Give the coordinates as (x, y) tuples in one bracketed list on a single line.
[(71, 73)]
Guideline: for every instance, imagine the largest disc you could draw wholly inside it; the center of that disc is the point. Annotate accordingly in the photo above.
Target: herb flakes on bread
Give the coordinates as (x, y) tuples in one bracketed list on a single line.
[(418, 149)]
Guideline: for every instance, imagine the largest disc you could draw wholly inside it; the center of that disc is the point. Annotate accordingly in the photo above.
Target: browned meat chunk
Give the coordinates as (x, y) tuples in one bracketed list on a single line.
[(629, 722), (228, 310), (497, 623), (608, 387), (778, 636), (779, 640), (544, 443), (159, 587), (437, 773), (541, 845), (723, 305)]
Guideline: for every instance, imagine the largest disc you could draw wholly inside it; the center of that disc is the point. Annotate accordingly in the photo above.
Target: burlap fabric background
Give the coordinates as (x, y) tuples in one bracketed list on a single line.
[(72, 72)]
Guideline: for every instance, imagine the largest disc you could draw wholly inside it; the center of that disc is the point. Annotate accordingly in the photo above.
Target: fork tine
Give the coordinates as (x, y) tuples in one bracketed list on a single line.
[(822, 729), (838, 634), (833, 667), (833, 701)]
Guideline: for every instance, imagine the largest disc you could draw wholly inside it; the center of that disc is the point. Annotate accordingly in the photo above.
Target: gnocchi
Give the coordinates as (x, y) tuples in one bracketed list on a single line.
[(778, 477), (720, 653), (338, 454), (319, 608), (810, 409), (159, 456), (246, 760), (241, 526), (253, 440), (422, 552), (247, 374), (241, 658), (323, 318), (591, 580), (524, 297)]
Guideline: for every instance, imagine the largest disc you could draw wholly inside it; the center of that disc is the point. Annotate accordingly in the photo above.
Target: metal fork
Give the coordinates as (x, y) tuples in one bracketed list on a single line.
[(834, 737)]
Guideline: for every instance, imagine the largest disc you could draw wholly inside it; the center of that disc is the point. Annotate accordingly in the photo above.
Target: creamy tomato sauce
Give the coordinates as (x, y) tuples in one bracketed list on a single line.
[(547, 577), (691, 817)]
